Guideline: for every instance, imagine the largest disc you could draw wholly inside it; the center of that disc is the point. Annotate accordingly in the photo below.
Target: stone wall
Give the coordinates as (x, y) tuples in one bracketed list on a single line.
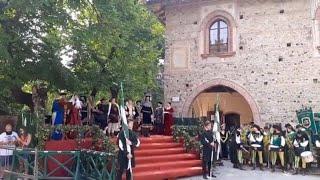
[(275, 64)]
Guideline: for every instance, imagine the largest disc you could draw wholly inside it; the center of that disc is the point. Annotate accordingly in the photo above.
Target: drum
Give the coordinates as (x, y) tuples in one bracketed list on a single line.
[(274, 148), (307, 156), (256, 145)]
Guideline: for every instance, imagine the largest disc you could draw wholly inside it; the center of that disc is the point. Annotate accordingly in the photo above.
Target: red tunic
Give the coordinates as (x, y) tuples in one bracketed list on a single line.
[(168, 121), (75, 116)]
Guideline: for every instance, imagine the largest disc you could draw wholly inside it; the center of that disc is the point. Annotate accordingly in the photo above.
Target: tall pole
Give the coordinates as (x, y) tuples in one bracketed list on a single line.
[(215, 133), (125, 126)]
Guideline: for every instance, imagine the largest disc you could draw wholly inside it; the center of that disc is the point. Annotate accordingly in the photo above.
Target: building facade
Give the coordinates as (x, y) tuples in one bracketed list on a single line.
[(257, 58)]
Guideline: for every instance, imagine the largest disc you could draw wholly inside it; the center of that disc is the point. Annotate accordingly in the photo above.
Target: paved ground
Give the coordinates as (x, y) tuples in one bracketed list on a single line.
[(226, 172)]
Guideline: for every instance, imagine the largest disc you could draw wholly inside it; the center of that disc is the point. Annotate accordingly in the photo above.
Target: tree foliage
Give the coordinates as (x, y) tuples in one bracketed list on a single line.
[(104, 41)]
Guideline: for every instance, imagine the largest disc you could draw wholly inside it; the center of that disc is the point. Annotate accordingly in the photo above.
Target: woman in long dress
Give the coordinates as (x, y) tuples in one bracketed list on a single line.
[(168, 119), (75, 111), (147, 113)]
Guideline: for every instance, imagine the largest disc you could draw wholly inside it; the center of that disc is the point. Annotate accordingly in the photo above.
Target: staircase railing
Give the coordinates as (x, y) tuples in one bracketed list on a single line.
[(62, 165)]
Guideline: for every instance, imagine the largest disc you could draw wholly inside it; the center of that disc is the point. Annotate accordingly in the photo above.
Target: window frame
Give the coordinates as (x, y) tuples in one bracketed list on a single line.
[(207, 22), (220, 44)]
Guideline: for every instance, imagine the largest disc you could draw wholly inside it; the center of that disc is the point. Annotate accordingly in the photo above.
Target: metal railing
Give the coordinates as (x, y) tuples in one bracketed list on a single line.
[(85, 164)]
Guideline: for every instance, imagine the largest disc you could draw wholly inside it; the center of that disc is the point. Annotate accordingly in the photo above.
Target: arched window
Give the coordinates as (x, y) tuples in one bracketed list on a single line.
[(218, 31), (218, 37)]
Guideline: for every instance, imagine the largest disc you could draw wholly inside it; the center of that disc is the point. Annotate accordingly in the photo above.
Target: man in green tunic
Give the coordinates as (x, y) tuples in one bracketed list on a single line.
[(277, 144), (289, 148)]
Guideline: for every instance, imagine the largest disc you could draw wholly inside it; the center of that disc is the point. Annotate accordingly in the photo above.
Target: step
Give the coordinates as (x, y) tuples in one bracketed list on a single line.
[(165, 158), (156, 139), (168, 173), (166, 165), (159, 145), (155, 152)]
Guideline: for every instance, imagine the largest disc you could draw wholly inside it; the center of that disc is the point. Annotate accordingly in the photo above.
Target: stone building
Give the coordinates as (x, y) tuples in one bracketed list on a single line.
[(259, 58)]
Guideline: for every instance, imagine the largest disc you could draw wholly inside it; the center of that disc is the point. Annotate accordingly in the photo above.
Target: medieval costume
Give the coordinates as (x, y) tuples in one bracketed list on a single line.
[(101, 114), (256, 144), (289, 148), (58, 110), (301, 144), (233, 148), (137, 117), (240, 148), (159, 121), (266, 143), (75, 118), (168, 120), (130, 110), (147, 113), (224, 142), (277, 144), (208, 143), (124, 151), (113, 117), (317, 147)]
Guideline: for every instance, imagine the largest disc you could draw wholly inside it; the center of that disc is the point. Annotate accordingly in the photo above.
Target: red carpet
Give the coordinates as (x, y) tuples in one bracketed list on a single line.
[(159, 158)]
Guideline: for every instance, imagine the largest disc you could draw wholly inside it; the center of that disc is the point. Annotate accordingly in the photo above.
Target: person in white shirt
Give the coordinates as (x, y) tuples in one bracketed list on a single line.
[(8, 140)]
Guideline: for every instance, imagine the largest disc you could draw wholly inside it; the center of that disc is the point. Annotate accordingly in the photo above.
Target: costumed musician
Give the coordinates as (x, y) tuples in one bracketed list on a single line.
[(266, 144), (301, 145), (240, 148), (256, 144), (289, 148), (276, 147)]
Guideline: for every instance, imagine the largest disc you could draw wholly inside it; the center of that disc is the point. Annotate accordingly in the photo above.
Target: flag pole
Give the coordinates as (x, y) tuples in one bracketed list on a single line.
[(125, 126), (215, 133)]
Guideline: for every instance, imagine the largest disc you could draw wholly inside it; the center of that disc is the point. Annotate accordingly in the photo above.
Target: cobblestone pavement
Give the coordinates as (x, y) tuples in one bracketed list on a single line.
[(226, 172)]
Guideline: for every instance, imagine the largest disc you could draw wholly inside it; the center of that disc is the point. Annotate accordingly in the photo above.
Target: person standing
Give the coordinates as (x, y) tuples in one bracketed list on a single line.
[(24, 142), (289, 148), (240, 148), (101, 113), (75, 110), (147, 113), (277, 144), (130, 110), (224, 142), (301, 144), (8, 140), (159, 119), (113, 117), (209, 143), (256, 144), (266, 143), (126, 151), (233, 147), (168, 119), (58, 109)]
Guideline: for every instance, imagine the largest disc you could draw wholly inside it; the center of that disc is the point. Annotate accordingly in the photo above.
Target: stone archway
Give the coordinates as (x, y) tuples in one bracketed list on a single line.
[(216, 82)]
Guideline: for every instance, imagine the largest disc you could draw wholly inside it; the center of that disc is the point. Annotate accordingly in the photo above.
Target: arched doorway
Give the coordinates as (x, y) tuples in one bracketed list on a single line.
[(233, 98)]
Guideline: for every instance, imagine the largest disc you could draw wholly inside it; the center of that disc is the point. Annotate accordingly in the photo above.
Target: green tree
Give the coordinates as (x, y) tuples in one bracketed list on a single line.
[(105, 41)]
